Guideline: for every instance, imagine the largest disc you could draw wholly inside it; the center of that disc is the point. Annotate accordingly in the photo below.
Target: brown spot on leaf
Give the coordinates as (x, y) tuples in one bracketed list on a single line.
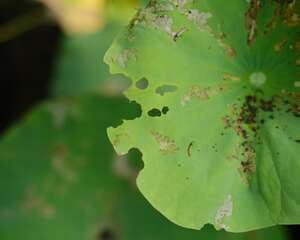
[(61, 165), (292, 18), (251, 16), (247, 118), (232, 77), (166, 145), (279, 46), (34, 203), (203, 93), (230, 51)]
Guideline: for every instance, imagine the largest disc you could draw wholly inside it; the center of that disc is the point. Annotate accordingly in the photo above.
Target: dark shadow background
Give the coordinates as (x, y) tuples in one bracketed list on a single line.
[(26, 64)]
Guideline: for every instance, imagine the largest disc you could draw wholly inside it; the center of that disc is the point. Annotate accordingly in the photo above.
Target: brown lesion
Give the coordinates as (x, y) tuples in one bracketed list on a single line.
[(166, 145), (291, 17), (203, 93), (280, 45), (34, 203), (61, 163), (251, 17), (274, 21), (117, 138), (247, 118)]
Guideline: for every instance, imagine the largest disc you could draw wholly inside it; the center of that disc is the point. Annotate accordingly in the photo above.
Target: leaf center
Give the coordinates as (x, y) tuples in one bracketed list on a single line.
[(258, 79)]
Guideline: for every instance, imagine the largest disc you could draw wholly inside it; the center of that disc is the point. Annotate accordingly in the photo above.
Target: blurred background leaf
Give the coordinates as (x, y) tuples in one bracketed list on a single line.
[(79, 68), (60, 179)]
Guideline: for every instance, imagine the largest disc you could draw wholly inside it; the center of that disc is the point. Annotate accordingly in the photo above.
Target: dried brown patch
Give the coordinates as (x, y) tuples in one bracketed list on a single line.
[(251, 16), (166, 145)]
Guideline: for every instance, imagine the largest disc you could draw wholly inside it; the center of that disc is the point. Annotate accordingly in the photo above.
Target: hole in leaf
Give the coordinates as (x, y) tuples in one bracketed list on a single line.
[(142, 84), (165, 89), (106, 234), (135, 159), (165, 110), (154, 112), (133, 110)]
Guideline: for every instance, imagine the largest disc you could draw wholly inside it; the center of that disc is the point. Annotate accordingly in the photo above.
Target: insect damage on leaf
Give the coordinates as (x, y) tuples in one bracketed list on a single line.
[(248, 118), (224, 211), (241, 68), (189, 149), (203, 93), (166, 145), (155, 15), (123, 58), (200, 19)]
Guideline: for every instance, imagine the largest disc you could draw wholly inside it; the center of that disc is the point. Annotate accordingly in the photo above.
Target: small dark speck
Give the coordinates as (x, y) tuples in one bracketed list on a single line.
[(271, 117), (106, 234), (297, 140)]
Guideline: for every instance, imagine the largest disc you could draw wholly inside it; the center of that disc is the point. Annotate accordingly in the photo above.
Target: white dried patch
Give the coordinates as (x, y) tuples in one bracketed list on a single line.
[(165, 7), (297, 84), (224, 211), (123, 58), (164, 23), (185, 100), (198, 18), (181, 3)]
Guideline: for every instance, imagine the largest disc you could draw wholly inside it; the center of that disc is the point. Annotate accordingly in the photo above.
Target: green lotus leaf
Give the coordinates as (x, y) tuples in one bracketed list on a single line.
[(219, 132), (60, 179)]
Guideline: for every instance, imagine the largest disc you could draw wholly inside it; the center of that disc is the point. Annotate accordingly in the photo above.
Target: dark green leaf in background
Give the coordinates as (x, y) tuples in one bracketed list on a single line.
[(60, 180)]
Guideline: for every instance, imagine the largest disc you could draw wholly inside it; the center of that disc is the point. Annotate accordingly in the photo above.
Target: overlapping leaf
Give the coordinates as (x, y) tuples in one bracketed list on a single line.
[(220, 126)]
